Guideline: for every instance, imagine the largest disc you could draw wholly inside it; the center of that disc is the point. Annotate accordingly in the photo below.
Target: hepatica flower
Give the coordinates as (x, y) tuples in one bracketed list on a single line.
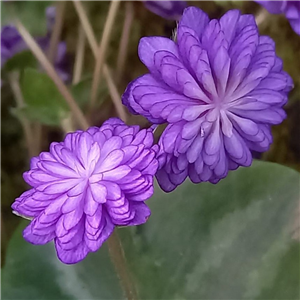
[(60, 62), (12, 44), (291, 9), (171, 10), (86, 185), (219, 87), (50, 17)]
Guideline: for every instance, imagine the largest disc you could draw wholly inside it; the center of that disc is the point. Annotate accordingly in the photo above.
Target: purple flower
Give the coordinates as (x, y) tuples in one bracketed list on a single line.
[(60, 63), (171, 10), (86, 185), (12, 44), (219, 88), (291, 9), (50, 17)]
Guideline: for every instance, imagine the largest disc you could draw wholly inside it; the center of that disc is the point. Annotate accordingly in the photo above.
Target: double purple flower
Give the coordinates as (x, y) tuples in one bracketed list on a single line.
[(171, 10), (219, 87), (86, 185), (291, 10)]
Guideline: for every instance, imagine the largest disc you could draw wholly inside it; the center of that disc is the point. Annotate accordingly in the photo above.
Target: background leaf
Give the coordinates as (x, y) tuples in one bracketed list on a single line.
[(231, 240), (19, 61), (82, 92), (30, 14), (44, 103)]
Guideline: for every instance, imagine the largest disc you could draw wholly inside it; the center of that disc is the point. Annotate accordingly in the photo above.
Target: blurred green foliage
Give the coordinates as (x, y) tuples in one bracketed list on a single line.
[(20, 61), (43, 101), (31, 13), (81, 92)]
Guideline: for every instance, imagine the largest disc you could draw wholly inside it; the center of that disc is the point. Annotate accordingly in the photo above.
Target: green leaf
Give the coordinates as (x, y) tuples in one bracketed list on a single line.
[(231, 240), (44, 103), (42, 276), (223, 241), (22, 60), (42, 115), (82, 92), (31, 13)]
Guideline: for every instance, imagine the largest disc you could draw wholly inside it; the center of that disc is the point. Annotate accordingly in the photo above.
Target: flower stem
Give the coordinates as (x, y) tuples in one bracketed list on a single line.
[(88, 30), (118, 257), (55, 36), (79, 55), (13, 79), (129, 14), (261, 16), (101, 53), (38, 53), (86, 25), (114, 94)]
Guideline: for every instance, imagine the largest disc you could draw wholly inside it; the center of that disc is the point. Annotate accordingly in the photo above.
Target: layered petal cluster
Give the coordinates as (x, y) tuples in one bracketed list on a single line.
[(291, 10), (219, 87), (86, 185), (171, 10)]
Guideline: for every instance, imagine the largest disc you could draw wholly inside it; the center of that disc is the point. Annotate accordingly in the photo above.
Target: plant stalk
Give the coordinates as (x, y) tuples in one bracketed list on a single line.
[(100, 57), (118, 258), (13, 79), (129, 14), (94, 47), (55, 36), (86, 26), (114, 94), (261, 16), (38, 53), (79, 58)]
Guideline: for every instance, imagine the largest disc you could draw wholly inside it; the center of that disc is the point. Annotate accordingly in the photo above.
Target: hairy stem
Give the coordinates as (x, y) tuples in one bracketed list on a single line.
[(129, 14), (88, 30), (118, 257), (114, 94), (38, 53), (55, 36), (16, 90), (79, 58), (94, 47), (261, 16), (100, 57)]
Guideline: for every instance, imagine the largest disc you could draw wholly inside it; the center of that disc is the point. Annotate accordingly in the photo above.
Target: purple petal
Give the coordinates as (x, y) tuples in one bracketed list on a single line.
[(142, 213), (149, 46), (72, 256), (195, 19)]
